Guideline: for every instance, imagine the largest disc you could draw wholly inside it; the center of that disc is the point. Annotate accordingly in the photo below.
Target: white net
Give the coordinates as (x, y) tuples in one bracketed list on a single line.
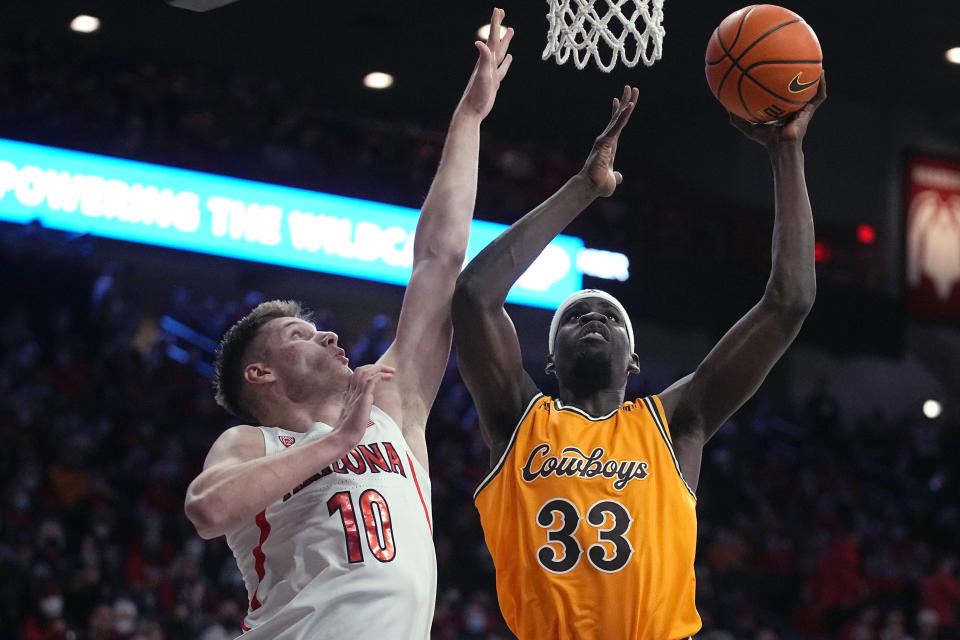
[(605, 30)]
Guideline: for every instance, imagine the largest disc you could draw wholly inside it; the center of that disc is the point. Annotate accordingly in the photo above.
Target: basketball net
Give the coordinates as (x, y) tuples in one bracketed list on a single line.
[(581, 26)]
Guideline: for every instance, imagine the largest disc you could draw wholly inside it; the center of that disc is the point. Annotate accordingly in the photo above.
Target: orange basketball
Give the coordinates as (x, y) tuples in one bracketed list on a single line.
[(763, 62)]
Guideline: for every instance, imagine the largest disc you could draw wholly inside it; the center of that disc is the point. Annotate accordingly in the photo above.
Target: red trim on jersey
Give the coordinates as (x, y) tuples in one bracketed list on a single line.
[(426, 511), (260, 557), (244, 627)]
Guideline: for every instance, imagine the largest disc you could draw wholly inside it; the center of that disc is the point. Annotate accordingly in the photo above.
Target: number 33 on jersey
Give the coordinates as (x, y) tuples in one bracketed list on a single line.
[(591, 526)]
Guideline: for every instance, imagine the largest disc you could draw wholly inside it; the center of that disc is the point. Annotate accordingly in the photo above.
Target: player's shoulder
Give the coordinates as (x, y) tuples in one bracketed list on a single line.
[(539, 403), (238, 443), (644, 405), (240, 433)]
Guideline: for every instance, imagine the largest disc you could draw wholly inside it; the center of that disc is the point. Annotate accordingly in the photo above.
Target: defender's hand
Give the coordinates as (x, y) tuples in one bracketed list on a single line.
[(792, 129), (492, 65), (358, 400), (599, 165)]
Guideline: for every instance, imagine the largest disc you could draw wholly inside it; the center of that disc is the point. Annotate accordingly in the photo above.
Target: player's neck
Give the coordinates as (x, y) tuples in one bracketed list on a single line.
[(301, 416), (596, 404)]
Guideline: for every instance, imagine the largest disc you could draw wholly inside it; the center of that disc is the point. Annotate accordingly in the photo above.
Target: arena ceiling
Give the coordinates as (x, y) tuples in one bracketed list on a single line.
[(876, 53)]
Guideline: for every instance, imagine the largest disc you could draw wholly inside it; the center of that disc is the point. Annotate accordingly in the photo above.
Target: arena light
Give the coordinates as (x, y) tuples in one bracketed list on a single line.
[(206, 213), (609, 265), (866, 234), (85, 24), (953, 55), (484, 32), (378, 80), (822, 252), (932, 409)]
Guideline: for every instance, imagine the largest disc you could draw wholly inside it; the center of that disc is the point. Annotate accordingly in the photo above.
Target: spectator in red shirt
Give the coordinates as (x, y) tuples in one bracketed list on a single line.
[(941, 592)]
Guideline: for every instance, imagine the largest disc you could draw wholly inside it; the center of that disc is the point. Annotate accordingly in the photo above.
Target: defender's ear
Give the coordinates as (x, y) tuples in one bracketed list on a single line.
[(550, 369), (258, 373)]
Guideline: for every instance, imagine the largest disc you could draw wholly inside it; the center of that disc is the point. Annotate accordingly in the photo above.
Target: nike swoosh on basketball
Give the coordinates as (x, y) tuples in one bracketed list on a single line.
[(796, 86)]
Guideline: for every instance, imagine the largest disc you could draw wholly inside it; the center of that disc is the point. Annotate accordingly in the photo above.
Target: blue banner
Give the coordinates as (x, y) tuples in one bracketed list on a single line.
[(194, 211)]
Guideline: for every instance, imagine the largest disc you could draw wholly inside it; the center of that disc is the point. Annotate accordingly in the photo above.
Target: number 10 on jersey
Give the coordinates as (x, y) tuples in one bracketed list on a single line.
[(375, 516)]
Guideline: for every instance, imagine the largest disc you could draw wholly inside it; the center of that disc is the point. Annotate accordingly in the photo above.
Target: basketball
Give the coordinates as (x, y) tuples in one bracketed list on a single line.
[(763, 62)]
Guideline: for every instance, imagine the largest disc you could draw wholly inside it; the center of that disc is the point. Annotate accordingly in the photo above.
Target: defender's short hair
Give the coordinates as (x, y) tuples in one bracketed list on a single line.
[(233, 354)]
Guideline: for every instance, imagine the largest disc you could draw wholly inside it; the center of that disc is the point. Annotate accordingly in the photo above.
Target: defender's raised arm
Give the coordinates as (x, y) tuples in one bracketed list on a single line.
[(422, 345)]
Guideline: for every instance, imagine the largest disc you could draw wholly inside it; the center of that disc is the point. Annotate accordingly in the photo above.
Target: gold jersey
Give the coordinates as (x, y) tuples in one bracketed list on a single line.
[(591, 526)]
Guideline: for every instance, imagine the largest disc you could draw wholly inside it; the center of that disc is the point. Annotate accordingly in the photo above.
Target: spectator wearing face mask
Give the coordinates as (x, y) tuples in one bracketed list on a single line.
[(126, 618)]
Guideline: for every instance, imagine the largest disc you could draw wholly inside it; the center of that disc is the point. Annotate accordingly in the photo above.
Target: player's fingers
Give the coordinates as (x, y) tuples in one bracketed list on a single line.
[(634, 95), (616, 105), (363, 374), (377, 374), (382, 368), (370, 383), (505, 66), (622, 118), (493, 39), (505, 43), (385, 374), (484, 51), (358, 380), (821, 90)]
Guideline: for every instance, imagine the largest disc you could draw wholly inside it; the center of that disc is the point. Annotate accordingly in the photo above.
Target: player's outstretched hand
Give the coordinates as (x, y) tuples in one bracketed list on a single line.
[(792, 129), (493, 62), (358, 399), (599, 165)]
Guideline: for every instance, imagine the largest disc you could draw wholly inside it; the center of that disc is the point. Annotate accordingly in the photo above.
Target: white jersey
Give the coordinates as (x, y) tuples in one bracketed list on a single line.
[(348, 552)]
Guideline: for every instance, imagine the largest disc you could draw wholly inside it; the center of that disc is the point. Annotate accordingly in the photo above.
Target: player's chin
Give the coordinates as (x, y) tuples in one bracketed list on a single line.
[(592, 345), (593, 352)]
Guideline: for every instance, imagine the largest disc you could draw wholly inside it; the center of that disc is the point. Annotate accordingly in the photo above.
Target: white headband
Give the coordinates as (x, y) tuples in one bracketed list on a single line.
[(580, 295)]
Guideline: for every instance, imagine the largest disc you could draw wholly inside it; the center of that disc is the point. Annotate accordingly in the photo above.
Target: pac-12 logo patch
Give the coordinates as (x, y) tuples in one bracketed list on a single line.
[(287, 440)]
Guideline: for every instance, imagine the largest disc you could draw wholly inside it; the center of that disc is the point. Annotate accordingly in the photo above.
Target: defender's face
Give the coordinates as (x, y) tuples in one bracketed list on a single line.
[(591, 330), (300, 355)]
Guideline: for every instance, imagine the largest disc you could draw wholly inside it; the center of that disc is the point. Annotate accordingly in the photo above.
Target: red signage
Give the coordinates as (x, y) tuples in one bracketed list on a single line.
[(933, 237)]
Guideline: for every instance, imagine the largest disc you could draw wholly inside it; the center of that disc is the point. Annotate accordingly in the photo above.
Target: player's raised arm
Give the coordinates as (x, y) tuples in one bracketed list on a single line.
[(700, 403), (487, 348), (422, 344)]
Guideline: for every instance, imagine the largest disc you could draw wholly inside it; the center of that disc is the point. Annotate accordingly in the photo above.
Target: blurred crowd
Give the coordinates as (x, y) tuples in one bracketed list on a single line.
[(273, 130), (809, 526)]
